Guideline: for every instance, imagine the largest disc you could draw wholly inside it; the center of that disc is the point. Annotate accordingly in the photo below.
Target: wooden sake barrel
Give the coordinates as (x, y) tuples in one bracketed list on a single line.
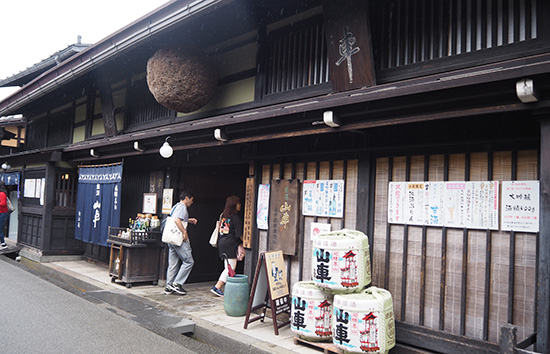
[(341, 261), (364, 322), (311, 312)]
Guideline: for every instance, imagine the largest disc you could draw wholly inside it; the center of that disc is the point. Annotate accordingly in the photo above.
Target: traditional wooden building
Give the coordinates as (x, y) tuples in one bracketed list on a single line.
[(370, 93)]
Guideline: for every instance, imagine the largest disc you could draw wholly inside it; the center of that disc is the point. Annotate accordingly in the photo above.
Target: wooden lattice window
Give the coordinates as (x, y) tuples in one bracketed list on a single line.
[(65, 189), (296, 58), (418, 31)]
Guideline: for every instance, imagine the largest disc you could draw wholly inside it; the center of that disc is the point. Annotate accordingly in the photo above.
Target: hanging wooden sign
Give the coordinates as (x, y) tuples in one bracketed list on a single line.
[(269, 290), (249, 211), (348, 44), (284, 214)]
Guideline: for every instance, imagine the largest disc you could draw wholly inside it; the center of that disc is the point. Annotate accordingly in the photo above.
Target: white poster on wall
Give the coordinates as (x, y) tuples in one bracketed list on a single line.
[(30, 188), (262, 210), (520, 206), (433, 203), (473, 205), (482, 210), (414, 203), (323, 198), (396, 202), (454, 204)]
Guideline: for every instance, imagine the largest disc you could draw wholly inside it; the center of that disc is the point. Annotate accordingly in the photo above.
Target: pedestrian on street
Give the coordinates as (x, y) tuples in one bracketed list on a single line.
[(180, 259), (4, 213), (230, 240)]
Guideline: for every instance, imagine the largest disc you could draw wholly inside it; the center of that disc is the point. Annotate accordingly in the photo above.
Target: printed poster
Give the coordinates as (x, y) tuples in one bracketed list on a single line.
[(29, 190), (433, 203), (483, 205), (473, 205), (454, 204), (520, 206), (414, 203), (167, 200), (318, 227), (275, 266), (323, 198), (262, 210)]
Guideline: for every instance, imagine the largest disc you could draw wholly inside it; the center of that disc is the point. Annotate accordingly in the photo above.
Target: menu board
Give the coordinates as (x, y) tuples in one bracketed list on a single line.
[(471, 205), (520, 206)]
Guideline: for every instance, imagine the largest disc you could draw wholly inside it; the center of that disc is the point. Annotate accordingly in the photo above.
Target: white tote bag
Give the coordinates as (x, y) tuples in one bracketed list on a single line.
[(214, 237), (171, 234)]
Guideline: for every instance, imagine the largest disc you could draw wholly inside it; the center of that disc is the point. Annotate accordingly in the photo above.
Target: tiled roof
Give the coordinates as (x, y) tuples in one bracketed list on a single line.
[(27, 75)]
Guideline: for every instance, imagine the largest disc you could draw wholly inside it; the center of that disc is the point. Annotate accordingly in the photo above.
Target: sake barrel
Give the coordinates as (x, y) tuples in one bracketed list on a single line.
[(341, 261), (311, 312), (364, 322)]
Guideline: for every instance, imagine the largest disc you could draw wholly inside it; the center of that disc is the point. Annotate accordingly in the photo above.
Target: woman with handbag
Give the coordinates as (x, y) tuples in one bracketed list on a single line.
[(4, 213), (230, 241)]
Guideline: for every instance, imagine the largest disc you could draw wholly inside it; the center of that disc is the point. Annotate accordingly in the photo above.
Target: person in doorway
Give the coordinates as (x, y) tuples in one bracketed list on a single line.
[(4, 213), (230, 242), (180, 259)]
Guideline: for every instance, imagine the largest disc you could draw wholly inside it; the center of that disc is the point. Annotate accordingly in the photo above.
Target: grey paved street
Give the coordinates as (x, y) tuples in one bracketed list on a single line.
[(37, 316)]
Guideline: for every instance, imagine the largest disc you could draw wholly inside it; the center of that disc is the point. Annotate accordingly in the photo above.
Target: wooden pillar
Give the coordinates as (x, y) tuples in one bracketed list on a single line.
[(543, 280), (49, 203), (508, 339), (365, 221)]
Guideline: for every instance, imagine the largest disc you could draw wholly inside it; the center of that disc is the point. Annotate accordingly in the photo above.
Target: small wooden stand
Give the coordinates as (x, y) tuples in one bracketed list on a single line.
[(269, 290)]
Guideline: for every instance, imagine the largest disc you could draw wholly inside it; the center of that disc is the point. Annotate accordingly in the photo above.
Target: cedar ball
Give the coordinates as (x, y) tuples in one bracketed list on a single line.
[(181, 79)]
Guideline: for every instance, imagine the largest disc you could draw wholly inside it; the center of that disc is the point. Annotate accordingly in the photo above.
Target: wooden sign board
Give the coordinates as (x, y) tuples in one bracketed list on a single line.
[(284, 216), (269, 290), (250, 197), (348, 44)]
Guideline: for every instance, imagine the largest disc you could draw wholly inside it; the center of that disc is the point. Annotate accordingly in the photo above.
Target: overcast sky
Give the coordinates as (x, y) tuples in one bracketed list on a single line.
[(33, 30)]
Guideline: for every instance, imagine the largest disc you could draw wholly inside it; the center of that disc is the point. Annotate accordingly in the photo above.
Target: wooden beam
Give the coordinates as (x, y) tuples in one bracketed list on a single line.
[(441, 342)]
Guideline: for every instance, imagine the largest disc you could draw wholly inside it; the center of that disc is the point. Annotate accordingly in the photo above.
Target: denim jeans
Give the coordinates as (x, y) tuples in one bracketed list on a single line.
[(3, 218), (176, 273)]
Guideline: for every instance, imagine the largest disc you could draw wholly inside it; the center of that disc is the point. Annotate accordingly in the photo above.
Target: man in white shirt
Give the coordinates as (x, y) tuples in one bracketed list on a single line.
[(177, 274)]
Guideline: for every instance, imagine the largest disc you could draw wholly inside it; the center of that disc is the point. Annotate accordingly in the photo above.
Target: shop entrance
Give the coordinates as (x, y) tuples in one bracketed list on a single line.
[(210, 186)]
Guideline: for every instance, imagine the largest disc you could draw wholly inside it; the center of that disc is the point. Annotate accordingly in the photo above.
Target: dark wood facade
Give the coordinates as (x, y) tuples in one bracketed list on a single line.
[(422, 91)]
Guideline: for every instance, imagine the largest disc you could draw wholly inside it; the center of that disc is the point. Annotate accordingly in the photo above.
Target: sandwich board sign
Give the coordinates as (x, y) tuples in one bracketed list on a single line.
[(269, 290)]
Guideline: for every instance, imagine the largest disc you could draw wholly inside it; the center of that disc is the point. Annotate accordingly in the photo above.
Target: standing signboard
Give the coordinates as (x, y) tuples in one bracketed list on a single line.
[(269, 290)]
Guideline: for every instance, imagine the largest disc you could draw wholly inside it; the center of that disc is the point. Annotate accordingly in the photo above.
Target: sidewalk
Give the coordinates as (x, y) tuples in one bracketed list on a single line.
[(199, 312)]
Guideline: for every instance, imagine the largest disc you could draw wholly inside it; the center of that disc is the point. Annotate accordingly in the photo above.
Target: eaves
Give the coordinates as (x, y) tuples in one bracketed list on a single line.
[(498, 72), (136, 33)]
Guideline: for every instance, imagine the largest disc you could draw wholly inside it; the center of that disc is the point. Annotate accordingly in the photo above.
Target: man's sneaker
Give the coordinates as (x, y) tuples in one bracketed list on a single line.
[(167, 290), (216, 291), (3, 246), (177, 288)]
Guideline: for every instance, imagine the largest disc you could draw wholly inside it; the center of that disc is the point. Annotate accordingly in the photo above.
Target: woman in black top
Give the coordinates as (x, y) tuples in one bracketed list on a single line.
[(230, 243)]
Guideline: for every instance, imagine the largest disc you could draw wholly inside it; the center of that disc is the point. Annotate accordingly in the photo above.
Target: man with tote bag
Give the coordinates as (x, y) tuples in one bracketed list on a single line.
[(177, 275)]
